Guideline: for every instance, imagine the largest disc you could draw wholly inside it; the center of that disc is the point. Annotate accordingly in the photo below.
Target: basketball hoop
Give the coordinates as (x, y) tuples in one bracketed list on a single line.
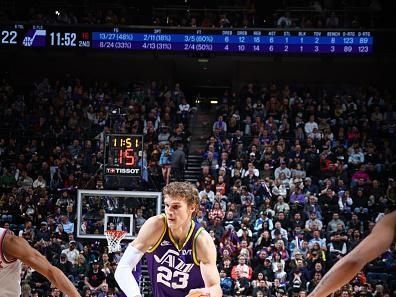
[(114, 238)]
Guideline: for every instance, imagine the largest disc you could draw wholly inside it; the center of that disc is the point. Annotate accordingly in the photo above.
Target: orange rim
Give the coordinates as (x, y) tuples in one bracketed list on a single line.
[(115, 233)]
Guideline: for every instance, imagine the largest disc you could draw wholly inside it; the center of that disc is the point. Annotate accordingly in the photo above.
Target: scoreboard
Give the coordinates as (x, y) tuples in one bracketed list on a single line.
[(168, 39), (122, 155)]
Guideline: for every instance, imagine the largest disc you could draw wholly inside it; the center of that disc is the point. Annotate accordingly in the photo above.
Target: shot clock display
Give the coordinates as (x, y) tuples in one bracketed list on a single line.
[(122, 155)]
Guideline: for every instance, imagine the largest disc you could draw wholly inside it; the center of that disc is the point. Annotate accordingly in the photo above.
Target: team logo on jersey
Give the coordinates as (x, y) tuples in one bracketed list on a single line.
[(165, 243), (172, 260)]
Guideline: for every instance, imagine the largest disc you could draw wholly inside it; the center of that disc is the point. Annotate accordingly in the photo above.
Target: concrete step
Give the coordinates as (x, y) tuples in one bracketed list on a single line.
[(193, 170), (195, 160), (191, 180), (195, 163), (194, 157)]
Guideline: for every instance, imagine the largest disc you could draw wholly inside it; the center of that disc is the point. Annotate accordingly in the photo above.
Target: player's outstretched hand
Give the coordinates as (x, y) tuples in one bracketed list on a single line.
[(198, 293)]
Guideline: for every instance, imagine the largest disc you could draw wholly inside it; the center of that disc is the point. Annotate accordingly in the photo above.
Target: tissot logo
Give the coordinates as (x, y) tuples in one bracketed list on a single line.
[(123, 170)]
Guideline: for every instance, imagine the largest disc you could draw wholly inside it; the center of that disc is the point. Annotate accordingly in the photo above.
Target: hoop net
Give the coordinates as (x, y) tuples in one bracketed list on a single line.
[(114, 238)]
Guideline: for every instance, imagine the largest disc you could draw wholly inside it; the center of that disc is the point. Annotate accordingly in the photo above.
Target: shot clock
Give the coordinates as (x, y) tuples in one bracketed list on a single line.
[(122, 155)]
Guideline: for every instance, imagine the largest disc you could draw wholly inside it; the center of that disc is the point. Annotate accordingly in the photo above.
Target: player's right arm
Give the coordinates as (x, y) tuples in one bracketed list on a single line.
[(206, 253), (370, 248), (18, 248), (148, 236)]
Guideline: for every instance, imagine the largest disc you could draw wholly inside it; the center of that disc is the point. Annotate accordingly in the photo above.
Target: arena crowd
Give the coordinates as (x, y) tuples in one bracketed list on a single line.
[(293, 177)]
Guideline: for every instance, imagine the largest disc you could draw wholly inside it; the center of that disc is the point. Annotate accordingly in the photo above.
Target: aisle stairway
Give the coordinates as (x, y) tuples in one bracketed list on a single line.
[(193, 168), (201, 126)]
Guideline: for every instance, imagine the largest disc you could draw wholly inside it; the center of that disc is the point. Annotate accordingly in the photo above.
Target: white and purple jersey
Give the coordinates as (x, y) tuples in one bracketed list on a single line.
[(174, 271)]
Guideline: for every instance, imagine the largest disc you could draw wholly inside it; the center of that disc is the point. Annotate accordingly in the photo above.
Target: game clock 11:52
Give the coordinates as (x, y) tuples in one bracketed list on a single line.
[(66, 39), (122, 154)]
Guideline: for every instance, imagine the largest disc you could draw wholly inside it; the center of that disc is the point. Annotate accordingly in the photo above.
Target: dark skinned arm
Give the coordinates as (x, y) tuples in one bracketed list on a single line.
[(18, 248), (370, 248)]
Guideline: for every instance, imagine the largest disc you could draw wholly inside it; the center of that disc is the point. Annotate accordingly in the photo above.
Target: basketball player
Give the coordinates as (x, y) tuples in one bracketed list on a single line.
[(181, 255), (373, 246), (13, 250)]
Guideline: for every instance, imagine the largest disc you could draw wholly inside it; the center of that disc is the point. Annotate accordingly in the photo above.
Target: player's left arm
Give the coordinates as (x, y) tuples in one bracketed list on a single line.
[(373, 246), (206, 254), (18, 248)]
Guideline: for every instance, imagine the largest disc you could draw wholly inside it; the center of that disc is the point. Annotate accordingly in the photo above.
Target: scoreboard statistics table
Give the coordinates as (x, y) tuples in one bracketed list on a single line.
[(221, 41)]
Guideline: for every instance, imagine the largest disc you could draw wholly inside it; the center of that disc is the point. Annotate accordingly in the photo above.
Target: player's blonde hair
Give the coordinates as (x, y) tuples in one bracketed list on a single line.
[(182, 191)]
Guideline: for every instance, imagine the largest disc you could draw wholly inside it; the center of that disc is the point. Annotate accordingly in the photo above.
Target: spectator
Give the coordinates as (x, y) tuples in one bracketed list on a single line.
[(216, 212), (10, 210), (356, 156), (178, 162), (284, 21), (260, 285), (209, 194), (226, 283), (241, 270), (80, 269), (95, 278), (258, 225), (39, 182), (28, 231), (72, 253), (104, 291), (25, 181), (163, 135), (68, 226), (60, 234), (43, 233), (7, 180), (139, 219), (282, 169), (65, 266), (332, 226), (337, 246), (241, 284), (314, 281), (220, 125), (166, 161), (281, 205), (316, 239), (313, 220), (332, 21)]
